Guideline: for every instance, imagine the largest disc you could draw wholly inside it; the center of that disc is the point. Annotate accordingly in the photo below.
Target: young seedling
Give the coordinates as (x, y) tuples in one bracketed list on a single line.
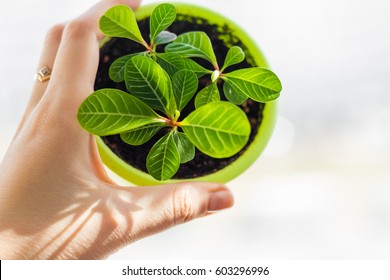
[(160, 85), (256, 83)]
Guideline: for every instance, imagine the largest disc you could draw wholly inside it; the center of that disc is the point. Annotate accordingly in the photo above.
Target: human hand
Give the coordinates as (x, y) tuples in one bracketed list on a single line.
[(56, 200)]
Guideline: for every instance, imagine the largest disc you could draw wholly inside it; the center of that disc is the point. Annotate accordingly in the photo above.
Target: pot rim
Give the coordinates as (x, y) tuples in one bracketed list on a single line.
[(242, 163)]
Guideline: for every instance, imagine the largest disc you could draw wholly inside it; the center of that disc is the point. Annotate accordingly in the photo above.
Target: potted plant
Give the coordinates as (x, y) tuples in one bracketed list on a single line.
[(181, 94)]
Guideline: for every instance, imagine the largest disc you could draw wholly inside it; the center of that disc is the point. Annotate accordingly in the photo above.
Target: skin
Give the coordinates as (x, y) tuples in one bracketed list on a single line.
[(56, 200)]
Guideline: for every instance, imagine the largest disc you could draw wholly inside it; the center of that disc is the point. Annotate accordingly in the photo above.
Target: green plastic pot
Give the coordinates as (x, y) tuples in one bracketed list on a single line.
[(138, 177)]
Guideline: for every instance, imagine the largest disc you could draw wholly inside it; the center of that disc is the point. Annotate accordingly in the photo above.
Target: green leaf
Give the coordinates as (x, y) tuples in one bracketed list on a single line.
[(117, 68), (207, 95), (112, 111), (185, 84), (172, 106), (141, 135), (170, 62), (235, 55), (163, 160), (232, 96), (164, 37), (119, 21), (218, 129), (259, 84), (184, 146), (162, 17), (193, 44), (149, 82), (199, 70)]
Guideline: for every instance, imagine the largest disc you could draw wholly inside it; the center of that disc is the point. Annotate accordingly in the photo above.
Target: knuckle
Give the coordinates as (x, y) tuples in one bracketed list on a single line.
[(134, 4), (77, 28), (183, 204), (54, 34)]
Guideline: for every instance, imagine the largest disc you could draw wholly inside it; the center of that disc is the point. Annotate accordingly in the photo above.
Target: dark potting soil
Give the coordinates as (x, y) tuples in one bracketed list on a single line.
[(136, 155)]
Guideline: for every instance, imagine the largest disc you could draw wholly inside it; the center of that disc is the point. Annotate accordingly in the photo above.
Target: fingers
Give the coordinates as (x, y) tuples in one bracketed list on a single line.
[(49, 52), (77, 60), (169, 205)]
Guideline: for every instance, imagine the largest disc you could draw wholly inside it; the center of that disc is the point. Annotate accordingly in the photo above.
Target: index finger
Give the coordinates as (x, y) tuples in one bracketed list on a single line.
[(76, 64)]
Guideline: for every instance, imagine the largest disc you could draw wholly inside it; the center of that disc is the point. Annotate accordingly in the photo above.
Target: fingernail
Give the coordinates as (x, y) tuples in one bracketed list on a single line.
[(220, 200)]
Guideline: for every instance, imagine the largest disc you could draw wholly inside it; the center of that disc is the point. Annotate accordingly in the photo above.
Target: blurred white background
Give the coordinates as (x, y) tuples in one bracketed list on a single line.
[(322, 188)]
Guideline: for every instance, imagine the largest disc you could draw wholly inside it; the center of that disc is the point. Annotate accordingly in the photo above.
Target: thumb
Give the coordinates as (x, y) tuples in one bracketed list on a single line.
[(170, 205)]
